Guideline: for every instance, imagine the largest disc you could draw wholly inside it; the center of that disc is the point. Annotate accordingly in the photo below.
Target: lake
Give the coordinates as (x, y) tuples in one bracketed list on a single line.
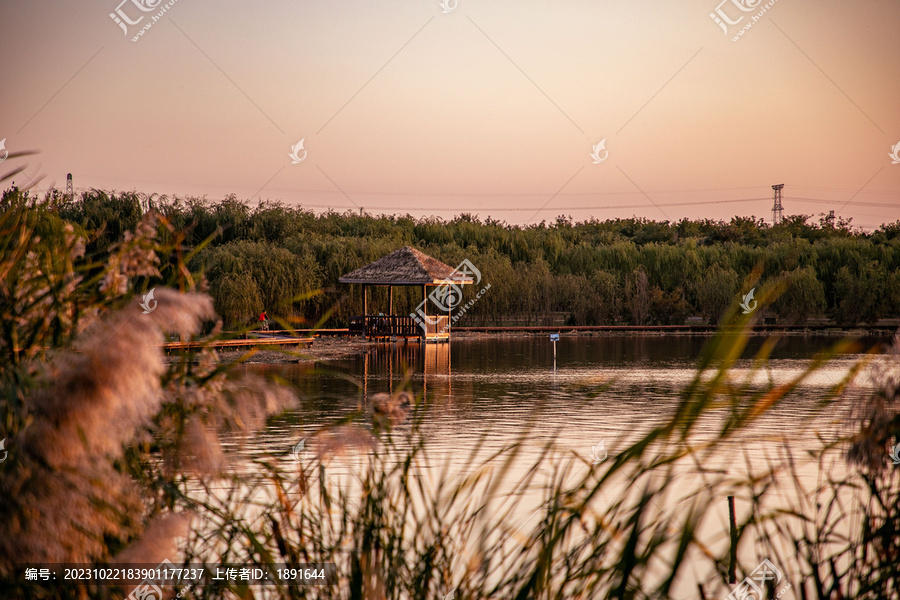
[(606, 390), (498, 383)]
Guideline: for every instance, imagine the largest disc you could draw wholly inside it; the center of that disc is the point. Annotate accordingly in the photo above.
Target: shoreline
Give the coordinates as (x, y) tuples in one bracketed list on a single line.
[(322, 348), (329, 348)]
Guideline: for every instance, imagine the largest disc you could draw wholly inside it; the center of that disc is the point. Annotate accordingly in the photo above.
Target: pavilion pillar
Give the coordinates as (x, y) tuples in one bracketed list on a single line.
[(390, 300), (365, 302)]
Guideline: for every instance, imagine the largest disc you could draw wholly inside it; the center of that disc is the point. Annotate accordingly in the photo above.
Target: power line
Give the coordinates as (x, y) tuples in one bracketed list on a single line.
[(870, 204), (427, 194), (511, 194), (528, 195), (827, 189), (554, 209)]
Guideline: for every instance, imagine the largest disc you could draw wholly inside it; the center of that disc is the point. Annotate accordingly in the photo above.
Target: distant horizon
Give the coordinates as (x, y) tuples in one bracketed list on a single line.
[(811, 218)]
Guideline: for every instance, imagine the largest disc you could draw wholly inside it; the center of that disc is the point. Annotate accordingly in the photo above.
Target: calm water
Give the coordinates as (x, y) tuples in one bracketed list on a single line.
[(609, 389)]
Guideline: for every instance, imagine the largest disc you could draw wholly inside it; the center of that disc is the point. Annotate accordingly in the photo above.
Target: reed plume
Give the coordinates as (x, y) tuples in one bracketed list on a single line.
[(89, 405)]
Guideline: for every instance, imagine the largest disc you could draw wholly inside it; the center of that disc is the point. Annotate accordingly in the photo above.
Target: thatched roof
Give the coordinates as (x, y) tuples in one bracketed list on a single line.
[(406, 266)]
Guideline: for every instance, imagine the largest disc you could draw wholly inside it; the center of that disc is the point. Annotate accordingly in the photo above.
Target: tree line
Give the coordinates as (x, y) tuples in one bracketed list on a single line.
[(286, 260)]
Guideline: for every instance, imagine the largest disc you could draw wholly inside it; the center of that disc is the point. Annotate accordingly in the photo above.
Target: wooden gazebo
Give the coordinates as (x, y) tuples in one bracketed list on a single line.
[(404, 267)]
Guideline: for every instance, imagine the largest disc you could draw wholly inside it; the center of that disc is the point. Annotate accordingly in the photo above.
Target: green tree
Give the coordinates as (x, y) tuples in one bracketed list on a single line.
[(280, 278), (236, 298), (705, 259), (608, 297), (804, 296), (668, 309), (637, 297), (861, 294), (716, 291)]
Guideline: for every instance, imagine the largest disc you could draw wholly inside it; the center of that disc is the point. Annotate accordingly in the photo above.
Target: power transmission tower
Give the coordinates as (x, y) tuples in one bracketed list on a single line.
[(777, 208), (70, 191)]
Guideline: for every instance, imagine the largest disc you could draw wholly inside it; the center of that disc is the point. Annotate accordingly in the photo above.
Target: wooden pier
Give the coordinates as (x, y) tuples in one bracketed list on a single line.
[(275, 339)]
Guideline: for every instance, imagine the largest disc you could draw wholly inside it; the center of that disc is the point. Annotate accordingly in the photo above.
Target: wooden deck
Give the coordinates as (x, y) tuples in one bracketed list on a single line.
[(272, 339)]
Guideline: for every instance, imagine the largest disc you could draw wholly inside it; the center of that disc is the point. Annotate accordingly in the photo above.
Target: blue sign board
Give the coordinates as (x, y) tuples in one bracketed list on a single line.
[(554, 337)]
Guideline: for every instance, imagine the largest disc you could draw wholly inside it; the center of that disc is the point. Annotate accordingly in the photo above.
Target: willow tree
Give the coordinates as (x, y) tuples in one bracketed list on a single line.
[(804, 296), (860, 294), (637, 296), (716, 291), (236, 298)]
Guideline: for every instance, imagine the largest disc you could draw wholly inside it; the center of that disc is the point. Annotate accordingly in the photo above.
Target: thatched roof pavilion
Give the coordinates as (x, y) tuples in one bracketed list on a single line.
[(406, 266)]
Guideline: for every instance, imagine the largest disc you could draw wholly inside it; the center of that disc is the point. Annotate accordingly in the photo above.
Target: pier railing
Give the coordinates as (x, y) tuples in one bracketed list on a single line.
[(379, 326)]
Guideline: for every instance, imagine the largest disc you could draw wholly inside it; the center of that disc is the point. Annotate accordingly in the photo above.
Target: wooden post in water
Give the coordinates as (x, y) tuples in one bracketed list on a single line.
[(732, 561)]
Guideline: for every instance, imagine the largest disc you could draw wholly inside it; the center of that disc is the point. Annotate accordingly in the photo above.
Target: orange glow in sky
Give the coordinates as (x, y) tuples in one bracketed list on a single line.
[(493, 108)]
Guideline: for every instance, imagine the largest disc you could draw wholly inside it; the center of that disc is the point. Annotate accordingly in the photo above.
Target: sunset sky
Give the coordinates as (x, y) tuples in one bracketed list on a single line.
[(490, 108)]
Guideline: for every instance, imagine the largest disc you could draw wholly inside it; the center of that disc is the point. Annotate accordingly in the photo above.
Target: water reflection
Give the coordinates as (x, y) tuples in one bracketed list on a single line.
[(612, 389), (602, 387), (426, 363)]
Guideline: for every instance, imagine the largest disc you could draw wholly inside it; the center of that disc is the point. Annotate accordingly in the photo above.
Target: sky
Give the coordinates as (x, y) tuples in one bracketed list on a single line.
[(489, 108)]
